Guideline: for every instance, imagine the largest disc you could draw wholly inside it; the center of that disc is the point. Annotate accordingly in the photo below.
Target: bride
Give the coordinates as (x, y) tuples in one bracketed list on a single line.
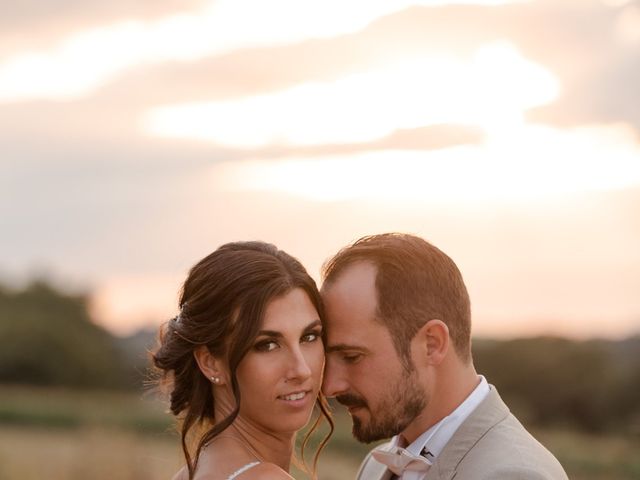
[(243, 363)]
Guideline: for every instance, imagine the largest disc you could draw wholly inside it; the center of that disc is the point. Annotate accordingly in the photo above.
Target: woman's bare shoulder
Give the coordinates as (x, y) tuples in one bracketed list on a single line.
[(182, 474), (262, 471), (265, 471)]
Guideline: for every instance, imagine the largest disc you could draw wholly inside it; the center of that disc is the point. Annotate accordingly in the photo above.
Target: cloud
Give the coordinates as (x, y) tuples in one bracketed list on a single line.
[(579, 42), (84, 60), (433, 137), (534, 164), (34, 24), (492, 88), (252, 70), (591, 47)]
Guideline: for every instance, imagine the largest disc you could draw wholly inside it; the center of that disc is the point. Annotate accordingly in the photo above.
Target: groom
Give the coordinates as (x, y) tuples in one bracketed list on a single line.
[(399, 357)]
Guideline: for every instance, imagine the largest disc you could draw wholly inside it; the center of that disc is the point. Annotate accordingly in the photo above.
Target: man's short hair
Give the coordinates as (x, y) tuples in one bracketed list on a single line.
[(415, 282)]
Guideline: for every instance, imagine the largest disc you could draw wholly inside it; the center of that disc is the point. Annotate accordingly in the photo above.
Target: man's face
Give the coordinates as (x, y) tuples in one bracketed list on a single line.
[(363, 370)]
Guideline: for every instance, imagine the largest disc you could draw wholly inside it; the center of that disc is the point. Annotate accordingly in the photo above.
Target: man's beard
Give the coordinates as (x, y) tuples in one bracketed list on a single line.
[(392, 415)]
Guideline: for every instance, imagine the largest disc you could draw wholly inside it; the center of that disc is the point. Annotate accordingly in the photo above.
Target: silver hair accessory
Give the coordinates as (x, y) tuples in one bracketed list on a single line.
[(179, 318), (178, 322)]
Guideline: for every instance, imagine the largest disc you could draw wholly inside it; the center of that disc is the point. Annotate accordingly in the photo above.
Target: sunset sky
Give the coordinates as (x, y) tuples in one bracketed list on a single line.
[(136, 137)]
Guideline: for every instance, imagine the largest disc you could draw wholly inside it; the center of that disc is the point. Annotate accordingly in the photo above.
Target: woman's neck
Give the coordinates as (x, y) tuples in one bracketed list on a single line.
[(276, 448), (263, 444)]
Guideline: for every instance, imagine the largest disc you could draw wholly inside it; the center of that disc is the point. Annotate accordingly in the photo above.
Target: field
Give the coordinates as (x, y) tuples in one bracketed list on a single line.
[(69, 435)]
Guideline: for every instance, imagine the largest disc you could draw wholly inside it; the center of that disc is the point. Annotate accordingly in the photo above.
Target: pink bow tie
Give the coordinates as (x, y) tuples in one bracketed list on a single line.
[(398, 460)]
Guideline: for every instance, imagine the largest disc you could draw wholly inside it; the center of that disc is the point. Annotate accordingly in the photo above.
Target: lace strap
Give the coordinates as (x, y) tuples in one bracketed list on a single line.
[(242, 470)]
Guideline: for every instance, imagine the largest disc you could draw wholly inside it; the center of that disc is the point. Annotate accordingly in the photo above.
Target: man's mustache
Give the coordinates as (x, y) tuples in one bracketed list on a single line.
[(350, 400)]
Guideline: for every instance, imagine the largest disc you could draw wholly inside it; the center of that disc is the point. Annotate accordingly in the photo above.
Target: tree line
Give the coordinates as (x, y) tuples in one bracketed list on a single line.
[(47, 338), (590, 385)]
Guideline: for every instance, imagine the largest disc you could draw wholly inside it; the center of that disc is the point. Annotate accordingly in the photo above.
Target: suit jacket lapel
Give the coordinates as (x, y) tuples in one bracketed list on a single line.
[(491, 411)]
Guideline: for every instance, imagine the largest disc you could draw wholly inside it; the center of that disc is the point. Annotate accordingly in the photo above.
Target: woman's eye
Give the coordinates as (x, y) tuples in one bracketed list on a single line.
[(310, 337), (266, 346)]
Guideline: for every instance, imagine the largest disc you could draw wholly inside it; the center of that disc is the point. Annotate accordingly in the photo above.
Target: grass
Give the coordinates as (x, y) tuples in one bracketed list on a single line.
[(62, 408), (60, 434), (594, 457), (97, 453)]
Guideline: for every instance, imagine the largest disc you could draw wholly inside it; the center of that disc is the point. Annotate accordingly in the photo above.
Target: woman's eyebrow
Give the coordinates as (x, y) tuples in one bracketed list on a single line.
[(313, 324), (269, 333), (274, 333)]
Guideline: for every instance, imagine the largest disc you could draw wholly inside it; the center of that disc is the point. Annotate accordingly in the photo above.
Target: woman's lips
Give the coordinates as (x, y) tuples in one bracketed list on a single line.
[(298, 398)]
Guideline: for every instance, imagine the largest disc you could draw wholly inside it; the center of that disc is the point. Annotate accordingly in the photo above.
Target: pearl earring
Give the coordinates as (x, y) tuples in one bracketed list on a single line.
[(215, 380)]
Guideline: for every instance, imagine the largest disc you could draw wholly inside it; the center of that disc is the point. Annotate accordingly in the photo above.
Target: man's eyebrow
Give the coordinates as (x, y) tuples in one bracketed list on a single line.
[(276, 334), (341, 347)]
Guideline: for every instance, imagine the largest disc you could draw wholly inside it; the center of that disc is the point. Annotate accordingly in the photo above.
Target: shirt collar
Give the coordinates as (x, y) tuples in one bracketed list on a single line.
[(436, 437)]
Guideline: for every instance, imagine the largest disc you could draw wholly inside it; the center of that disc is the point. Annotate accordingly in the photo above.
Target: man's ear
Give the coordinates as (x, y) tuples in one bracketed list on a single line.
[(434, 341), (210, 366)]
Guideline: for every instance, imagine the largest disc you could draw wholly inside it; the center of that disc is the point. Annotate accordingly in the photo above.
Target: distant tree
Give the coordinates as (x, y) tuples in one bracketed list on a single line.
[(552, 380), (47, 338), (135, 352), (626, 396)]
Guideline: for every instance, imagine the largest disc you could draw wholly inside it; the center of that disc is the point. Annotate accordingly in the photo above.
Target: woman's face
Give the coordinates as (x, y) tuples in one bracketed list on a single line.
[(280, 376)]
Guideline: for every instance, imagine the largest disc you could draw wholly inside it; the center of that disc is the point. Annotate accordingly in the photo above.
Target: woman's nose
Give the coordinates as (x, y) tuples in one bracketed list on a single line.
[(299, 368)]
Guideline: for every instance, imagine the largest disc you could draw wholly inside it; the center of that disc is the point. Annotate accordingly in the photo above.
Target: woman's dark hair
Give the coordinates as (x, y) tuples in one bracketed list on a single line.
[(222, 306)]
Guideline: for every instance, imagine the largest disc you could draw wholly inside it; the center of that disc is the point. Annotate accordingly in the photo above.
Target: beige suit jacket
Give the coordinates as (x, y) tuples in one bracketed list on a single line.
[(490, 444)]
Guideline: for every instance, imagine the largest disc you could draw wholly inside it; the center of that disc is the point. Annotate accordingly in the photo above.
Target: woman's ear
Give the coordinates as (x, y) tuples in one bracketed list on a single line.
[(434, 340), (210, 366)]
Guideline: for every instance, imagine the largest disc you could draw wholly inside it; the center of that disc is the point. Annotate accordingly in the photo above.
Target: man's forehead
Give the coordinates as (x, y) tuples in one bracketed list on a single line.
[(357, 334), (354, 279)]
